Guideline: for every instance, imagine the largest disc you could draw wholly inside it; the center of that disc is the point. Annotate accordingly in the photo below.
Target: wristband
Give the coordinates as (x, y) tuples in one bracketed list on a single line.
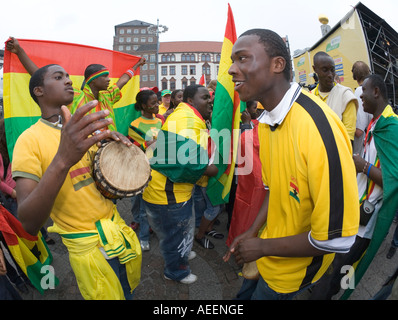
[(130, 73), (370, 166)]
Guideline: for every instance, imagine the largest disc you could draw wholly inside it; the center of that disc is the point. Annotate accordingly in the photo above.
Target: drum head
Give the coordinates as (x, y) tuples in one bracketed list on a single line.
[(124, 168)]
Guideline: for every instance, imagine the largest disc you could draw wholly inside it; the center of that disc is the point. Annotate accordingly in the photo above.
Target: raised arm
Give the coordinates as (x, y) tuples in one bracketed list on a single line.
[(129, 74), (13, 46)]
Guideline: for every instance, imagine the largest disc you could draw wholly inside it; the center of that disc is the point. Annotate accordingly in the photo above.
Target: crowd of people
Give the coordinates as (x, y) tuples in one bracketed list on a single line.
[(323, 182)]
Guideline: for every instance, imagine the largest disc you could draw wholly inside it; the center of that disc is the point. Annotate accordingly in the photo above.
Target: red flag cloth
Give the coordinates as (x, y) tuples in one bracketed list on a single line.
[(202, 81), (250, 192)]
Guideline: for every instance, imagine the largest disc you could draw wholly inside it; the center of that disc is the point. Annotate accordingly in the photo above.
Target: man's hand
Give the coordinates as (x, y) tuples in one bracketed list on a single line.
[(140, 63), (13, 46), (77, 132)]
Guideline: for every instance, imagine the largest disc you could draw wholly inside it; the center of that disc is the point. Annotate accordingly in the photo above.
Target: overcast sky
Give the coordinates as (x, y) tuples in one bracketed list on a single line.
[(92, 22)]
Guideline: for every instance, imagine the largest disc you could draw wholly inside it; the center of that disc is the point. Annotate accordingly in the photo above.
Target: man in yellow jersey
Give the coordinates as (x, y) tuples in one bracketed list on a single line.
[(180, 159), (311, 210), (340, 98), (52, 166)]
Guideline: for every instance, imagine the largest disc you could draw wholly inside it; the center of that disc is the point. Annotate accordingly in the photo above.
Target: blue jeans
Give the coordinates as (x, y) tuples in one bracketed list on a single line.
[(139, 216), (259, 290), (174, 226), (203, 206), (120, 270)]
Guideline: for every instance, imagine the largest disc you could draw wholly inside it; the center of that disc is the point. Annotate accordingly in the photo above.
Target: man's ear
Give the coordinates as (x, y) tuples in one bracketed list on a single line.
[(278, 64), (38, 91)]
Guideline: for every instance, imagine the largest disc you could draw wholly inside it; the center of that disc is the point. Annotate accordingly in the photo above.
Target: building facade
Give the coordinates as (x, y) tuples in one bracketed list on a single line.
[(183, 63), (175, 64), (133, 38)]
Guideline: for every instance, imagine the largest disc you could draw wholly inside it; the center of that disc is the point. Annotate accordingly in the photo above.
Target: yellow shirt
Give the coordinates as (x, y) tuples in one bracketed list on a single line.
[(79, 204), (308, 167), (162, 109)]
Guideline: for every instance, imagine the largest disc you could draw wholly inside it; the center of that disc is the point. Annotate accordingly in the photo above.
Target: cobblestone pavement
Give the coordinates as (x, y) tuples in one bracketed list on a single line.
[(217, 280)]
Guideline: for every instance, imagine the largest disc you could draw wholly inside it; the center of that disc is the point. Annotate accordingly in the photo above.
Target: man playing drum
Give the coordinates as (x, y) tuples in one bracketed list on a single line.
[(52, 168)]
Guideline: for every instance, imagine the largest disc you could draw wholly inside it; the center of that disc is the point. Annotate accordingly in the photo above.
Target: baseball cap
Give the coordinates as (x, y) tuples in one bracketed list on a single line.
[(164, 92), (154, 89)]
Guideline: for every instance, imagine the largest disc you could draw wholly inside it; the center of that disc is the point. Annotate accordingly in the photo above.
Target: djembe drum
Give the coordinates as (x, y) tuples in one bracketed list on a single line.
[(121, 171)]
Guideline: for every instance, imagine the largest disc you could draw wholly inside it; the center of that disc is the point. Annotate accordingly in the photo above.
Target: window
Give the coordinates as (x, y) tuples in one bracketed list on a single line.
[(144, 67), (218, 58), (135, 40), (152, 78), (206, 69), (136, 31), (145, 78), (184, 83), (143, 31), (172, 70), (135, 48), (150, 39), (152, 58), (192, 82), (172, 85), (164, 58), (128, 48), (121, 31), (143, 39), (205, 57), (152, 66), (184, 70), (121, 39), (129, 31), (164, 84), (164, 71), (128, 39), (120, 48), (192, 70)]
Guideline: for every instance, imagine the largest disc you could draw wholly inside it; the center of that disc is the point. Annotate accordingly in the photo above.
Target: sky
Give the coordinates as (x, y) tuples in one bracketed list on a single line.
[(91, 22)]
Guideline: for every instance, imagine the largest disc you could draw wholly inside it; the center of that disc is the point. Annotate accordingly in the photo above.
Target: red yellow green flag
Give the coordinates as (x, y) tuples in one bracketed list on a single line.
[(225, 121), (29, 252), (20, 111)]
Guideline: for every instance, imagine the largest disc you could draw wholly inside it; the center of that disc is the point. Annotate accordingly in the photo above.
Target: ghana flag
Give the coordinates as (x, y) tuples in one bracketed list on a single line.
[(387, 151), (29, 252), (20, 111), (225, 121)]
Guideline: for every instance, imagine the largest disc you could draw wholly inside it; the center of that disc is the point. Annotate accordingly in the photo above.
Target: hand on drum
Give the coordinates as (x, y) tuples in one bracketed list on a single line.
[(117, 136), (77, 132)]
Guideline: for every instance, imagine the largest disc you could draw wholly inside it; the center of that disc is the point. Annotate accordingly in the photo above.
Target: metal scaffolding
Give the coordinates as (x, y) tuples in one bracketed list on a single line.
[(382, 42)]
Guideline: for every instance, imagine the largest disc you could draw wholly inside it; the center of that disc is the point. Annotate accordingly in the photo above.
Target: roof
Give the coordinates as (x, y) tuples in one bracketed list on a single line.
[(364, 10), (190, 46), (134, 23)]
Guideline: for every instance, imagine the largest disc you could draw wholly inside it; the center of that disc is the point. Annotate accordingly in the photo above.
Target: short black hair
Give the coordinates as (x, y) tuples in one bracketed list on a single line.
[(142, 98), (274, 46), (190, 92), (37, 80), (377, 81), (321, 54)]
